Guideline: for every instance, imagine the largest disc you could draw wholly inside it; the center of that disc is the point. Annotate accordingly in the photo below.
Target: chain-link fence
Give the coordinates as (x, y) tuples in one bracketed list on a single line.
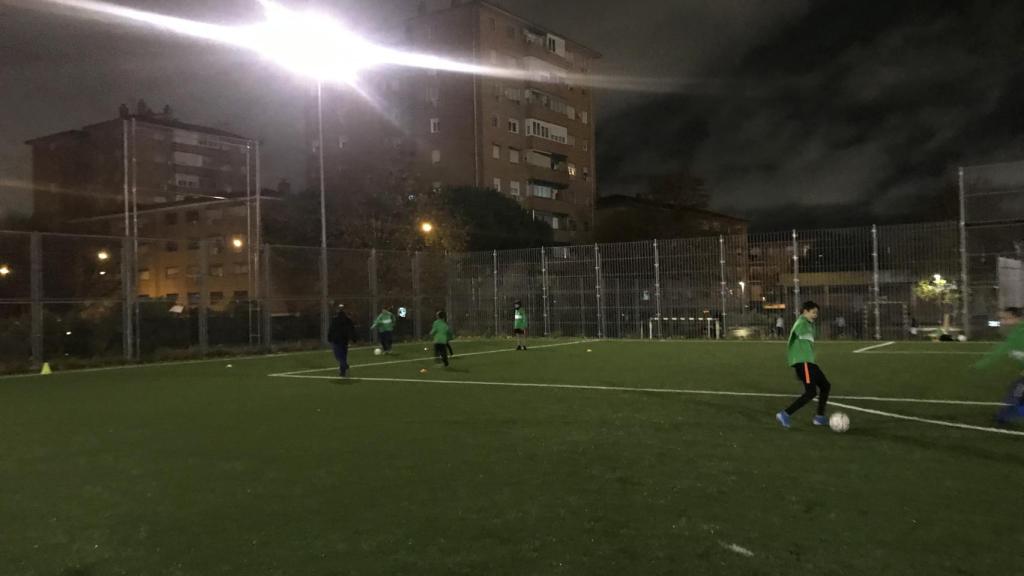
[(992, 221), (70, 299)]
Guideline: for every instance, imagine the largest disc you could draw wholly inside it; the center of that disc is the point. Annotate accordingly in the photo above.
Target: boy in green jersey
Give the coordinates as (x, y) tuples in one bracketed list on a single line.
[(1013, 347), (519, 324), (385, 326), (800, 355), (442, 335)]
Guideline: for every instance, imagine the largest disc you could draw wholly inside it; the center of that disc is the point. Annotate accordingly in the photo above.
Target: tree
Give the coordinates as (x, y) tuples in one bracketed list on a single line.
[(945, 294), (488, 219)]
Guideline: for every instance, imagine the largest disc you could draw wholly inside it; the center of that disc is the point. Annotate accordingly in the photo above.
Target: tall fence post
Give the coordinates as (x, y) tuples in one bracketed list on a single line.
[(325, 315), (127, 300), (657, 288), (544, 289), (204, 299), (721, 275), (875, 291), (449, 302), (371, 273), (266, 307), (417, 298), (36, 294), (598, 288), (495, 260), (965, 291), (796, 275)]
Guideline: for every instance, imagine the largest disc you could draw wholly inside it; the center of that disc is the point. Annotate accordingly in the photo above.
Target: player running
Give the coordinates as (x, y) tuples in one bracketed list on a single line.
[(800, 352)]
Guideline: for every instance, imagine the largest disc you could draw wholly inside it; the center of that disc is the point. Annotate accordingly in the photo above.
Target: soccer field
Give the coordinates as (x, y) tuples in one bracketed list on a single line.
[(602, 457)]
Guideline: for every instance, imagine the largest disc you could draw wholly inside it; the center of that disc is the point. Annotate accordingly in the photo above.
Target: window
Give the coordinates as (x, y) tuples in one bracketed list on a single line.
[(193, 243), (172, 296), (216, 244), (513, 155), (144, 274), (193, 298), (586, 174), (240, 295), (435, 156), (172, 246), (513, 126), (342, 142), (547, 131), (241, 268), (213, 217), (513, 187), (433, 95), (586, 145), (496, 152), (188, 159), (192, 272), (572, 170), (435, 125), (170, 219), (494, 120), (186, 180), (584, 117), (496, 91), (543, 191), (216, 297), (172, 272), (497, 184), (514, 94), (510, 31), (435, 187), (217, 270)]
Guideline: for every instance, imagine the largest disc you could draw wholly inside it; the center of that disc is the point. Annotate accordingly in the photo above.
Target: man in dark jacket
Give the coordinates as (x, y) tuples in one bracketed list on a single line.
[(341, 332)]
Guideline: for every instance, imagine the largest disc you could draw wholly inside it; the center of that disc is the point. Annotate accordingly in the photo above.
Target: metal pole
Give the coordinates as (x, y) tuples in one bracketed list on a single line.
[(721, 275), (249, 241), (36, 290), (876, 293), (204, 299), (796, 275), (324, 313), (128, 335), (495, 258), (135, 236), (417, 298), (964, 288), (258, 242), (597, 291), (544, 289), (266, 307), (657, 287), (371, 272)]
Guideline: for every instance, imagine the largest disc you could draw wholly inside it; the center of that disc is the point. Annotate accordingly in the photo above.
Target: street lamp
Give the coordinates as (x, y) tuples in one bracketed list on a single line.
[(237, 242), (5, 270), (426, 227), (103, 255)]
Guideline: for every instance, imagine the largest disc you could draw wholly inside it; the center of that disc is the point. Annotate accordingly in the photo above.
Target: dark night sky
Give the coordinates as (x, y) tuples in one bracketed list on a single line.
[(795, 112)]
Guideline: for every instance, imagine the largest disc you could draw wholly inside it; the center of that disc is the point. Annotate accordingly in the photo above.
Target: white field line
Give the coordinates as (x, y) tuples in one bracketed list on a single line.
[(916, 352), (931, 421), (876, 346), (227, 359), (655, 390), (424, 359), (708, 393)]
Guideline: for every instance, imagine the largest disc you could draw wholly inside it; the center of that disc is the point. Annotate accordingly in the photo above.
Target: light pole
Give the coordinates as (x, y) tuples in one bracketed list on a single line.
[(324, 318)]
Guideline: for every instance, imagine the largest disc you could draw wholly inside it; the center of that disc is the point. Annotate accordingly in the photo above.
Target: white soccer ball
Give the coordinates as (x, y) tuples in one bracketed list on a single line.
[(839, 422), (962, 338), (377, 351)]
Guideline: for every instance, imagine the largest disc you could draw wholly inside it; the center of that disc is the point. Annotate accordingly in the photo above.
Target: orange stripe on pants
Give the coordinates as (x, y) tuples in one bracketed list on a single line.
[(807, 374)]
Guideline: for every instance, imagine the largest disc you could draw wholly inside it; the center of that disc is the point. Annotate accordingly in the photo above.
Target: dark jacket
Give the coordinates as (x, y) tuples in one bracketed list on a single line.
[(342, 331)]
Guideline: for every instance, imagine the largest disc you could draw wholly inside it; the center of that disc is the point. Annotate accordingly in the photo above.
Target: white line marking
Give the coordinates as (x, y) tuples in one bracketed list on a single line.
[(737, 549), (883, 344), (424, 359), (629, 389), (930, 421), (944, 353)]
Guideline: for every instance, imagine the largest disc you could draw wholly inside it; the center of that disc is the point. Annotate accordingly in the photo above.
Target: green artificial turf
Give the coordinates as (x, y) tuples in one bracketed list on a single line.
[(203, 469)]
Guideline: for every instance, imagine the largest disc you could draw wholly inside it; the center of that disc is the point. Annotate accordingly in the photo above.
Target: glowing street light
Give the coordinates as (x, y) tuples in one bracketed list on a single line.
[(5, 270), (426, 227), (103, 255), (237, 242), (938, 278)]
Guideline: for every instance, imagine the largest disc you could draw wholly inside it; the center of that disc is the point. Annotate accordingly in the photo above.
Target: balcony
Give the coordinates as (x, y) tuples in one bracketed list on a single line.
[(557, 176)]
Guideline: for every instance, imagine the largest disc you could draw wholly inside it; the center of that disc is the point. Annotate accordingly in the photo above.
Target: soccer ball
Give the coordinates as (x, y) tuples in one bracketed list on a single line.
[(962, 338), (377, 351), (839, 422)]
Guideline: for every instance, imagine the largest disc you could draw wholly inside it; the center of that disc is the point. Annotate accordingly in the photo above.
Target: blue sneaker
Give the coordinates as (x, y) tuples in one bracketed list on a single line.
[(783, 419), (821, 420)]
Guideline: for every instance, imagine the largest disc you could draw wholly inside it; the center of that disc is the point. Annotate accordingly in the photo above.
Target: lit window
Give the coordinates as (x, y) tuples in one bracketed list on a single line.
[(572, 169), (513, 187), (497, 184), (144, 274), (435, 125), (435, 156), (496, 152), (172, 272)]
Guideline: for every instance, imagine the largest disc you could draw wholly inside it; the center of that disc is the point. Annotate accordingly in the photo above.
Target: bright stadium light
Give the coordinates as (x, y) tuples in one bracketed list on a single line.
[(237, 242), (5, 270), (103, 255)]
